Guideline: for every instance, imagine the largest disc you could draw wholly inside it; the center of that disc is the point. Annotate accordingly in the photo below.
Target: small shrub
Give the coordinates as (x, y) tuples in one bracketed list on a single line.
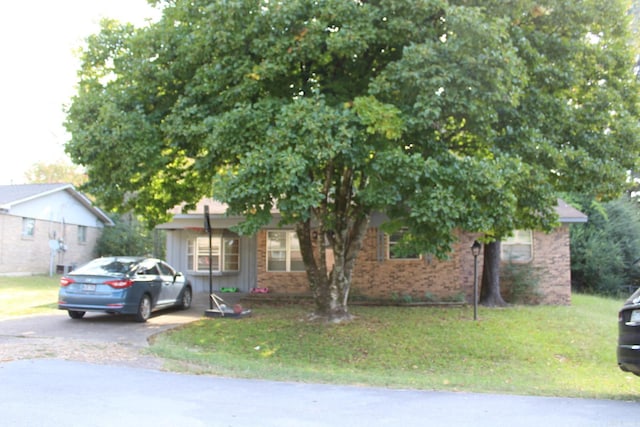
[(459, 297), (430, 297), (407, 298), (522, 281)]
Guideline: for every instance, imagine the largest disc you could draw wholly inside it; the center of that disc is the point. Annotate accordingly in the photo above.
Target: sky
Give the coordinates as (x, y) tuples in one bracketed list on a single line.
[(38, 65)]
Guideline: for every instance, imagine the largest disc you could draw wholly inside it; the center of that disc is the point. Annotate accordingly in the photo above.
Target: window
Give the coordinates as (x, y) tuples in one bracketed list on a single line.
[(225, 253), (231, 253), (396, 254), (28, 227), (82, 234), (166, 269), (150, 269), (519, 247), (283, 251)]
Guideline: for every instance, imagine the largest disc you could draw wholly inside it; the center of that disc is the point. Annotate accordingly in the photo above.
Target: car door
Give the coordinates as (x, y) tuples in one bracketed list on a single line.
[(170, 286), (149, 275)]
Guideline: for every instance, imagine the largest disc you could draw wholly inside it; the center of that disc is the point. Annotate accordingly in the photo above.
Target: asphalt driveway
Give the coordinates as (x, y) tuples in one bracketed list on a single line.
[(97, 338), (97, 326)]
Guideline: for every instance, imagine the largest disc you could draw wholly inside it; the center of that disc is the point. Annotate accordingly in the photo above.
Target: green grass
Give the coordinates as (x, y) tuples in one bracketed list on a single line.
[(26, 295), (542, 350)]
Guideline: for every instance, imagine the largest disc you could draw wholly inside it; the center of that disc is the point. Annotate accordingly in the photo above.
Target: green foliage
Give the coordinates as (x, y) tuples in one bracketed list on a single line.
[(430, 297), (522, 283), (458, 297), (128, 237), (55, 173), (604, 251), (446, 115), (439, 91)]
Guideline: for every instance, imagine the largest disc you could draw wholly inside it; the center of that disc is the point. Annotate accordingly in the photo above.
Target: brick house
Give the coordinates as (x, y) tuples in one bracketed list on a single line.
[(46, 228), (271, 259)]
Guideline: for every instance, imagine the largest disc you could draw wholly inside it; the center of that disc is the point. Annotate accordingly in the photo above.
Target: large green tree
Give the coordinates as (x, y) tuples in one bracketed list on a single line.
[(576, 124), (328, 111)]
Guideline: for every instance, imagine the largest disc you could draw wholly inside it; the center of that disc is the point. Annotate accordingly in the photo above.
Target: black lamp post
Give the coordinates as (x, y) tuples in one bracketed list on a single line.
[(207, 227), (475, 250)]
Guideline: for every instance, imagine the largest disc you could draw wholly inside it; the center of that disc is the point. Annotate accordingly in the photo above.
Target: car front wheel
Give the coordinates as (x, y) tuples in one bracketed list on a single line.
[(144, 309), (76, 314), (185, 301)]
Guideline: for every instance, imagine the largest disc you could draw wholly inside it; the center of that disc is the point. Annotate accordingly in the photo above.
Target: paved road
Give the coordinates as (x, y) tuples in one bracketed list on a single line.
[(54, 392), (50, 392)]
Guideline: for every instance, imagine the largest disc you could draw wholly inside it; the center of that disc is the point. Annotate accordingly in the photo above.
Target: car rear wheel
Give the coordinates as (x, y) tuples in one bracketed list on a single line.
[(144, 309), (76, 314), (187, 296)]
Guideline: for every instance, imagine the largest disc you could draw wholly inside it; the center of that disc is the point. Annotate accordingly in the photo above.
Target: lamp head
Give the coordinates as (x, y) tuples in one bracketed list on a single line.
[(475, 248)]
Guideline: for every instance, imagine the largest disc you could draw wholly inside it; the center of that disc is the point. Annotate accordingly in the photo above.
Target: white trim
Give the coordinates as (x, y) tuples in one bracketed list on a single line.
[(521, 238), (289, 237)]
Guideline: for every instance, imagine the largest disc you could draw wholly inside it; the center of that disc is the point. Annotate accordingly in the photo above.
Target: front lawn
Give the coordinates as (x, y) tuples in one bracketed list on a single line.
[(28, 295), (543, 350)]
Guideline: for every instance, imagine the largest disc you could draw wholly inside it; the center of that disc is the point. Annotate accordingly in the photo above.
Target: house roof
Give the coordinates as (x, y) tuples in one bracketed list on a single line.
[(217, 210), (194, 219), (569, 214), (12, 195)]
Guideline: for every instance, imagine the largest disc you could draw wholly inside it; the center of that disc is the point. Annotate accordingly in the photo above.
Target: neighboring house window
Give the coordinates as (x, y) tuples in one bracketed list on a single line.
[(28, 227), (395, 254), (225, 254), (519, 247), (283, 251), (82, 234)]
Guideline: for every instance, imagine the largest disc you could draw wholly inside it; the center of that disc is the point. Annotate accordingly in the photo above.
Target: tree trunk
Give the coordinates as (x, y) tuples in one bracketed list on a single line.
[(330, 284), (490, 288)]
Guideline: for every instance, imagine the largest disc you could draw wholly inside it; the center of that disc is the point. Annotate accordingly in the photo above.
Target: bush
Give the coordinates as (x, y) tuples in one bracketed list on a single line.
[(604, 250), (521, 283), (129, 237)]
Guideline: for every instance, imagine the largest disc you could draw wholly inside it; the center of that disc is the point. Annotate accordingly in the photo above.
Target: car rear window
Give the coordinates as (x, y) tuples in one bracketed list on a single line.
[(107, 267)]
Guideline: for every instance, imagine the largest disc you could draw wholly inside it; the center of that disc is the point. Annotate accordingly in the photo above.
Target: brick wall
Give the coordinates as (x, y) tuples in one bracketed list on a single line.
[(32, 255), (552, 256), (378, 277), (21, 254), (79, 252), (290, 283), (375, 276)]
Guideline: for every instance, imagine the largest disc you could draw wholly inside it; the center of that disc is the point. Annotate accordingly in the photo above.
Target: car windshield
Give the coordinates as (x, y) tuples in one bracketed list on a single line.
[(108, 267)]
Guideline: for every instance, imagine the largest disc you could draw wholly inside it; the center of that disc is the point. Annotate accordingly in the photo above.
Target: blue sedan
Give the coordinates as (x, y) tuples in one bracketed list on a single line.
[(123, 285)]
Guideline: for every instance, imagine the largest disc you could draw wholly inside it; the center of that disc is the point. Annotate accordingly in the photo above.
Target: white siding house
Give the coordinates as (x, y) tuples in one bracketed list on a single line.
[(47, 227)]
